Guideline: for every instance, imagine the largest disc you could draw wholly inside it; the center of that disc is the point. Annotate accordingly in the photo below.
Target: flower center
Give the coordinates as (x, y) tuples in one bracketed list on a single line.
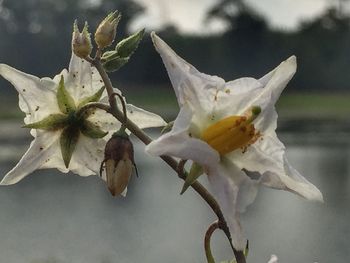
[(232, 132)]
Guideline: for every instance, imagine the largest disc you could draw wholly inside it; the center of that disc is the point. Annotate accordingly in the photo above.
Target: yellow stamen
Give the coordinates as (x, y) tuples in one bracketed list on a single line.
[(232, 133)]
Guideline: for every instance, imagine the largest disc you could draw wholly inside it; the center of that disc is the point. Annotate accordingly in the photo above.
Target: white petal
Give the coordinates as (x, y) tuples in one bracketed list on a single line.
[(40, 151), (189, 84), (37, 97), (88, 156), (179, 144), (104, 120), (236, 97), (143, 118), (279, 78), (234, 191), (82, 80), (182, 146), (267, 157), (275, 82)]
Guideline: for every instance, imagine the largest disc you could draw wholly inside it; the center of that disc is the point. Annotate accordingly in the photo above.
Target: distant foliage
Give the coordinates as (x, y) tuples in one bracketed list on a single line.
[(38, 30)]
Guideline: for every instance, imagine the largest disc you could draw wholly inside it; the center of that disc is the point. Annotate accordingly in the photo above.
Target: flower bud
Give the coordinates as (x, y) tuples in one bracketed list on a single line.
[(81, 42), (106, 31), (119, 162)]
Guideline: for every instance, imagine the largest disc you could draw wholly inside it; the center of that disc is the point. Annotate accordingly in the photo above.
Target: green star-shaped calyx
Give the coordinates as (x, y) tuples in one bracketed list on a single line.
[(71, 121)]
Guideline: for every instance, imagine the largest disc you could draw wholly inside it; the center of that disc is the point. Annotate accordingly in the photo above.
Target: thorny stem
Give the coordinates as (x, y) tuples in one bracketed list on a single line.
[(201, 190), (208, 234)]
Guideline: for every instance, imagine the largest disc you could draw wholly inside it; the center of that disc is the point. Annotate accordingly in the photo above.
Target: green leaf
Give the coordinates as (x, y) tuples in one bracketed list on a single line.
[(115, 64), (195, 171), (91, 130), (64, 99), (68, 141), (51, 123), (93, 98), (127, 46)]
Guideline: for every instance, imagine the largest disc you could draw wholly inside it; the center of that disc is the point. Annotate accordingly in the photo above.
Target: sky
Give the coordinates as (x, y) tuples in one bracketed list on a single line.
[(189, 15)]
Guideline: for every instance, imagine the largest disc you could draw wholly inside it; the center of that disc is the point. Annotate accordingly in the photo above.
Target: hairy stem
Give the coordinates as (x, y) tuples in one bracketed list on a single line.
[(200, 189)]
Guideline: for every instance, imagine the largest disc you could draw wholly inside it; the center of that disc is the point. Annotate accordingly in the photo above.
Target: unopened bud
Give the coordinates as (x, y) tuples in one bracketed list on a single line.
[(127, 46), (81, 42), (119, 162), (106, 31)]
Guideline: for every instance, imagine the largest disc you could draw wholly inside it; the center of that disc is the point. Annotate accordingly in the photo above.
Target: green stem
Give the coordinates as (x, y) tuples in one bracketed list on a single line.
[(92, 105), (125, 119), (200, 189), (208, 234)]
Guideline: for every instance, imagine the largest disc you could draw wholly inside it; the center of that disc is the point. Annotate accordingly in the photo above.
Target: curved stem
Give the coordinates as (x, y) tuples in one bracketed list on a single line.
[(93, 105), (125, 119), (201, 190), (208, 234)]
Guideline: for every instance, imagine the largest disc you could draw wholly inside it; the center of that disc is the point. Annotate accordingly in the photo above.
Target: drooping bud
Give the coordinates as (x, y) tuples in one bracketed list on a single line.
[(107, 29), (119, 162), (81, 41)]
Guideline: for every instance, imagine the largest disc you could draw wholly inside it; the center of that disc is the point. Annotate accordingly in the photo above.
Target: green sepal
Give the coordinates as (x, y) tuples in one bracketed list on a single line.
[(68, 141), (121, 133), (167, 127), (127, 46), (246, 250), (91, 130), (93, 98), (52, 122), (195, 171), (115, 64), (64, 99), (109, 55)]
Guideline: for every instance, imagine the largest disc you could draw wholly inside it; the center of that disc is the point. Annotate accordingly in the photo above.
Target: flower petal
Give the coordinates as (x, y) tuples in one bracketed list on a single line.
[(189, 84), (103, 120), (82, 80), (37, 97), (274, 83), (143, 118), (236, 97), (234, 191), (88, 156), (179, 144), (182, 146), (267, 157), (40, 151)]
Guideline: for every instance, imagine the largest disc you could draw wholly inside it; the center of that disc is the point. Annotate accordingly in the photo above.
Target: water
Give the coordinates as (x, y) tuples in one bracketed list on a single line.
[(52, 217)]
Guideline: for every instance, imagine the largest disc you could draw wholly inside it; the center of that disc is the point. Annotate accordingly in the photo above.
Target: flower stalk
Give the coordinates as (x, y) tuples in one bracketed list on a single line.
[(200, 189), (207, 238)]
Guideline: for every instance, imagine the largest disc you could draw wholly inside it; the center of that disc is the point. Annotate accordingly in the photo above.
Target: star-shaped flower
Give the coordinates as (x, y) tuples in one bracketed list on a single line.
[(228, 130), (65, 136)]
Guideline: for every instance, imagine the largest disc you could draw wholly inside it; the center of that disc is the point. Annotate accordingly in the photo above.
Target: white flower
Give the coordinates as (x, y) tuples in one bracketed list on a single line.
[(62, 139), (228, 128)]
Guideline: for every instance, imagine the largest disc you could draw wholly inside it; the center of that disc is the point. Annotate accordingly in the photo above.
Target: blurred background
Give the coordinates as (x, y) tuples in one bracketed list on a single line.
[(50, 217)]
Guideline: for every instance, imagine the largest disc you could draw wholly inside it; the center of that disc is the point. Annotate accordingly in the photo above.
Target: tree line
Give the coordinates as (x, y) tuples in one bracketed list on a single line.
[(36, 35)]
